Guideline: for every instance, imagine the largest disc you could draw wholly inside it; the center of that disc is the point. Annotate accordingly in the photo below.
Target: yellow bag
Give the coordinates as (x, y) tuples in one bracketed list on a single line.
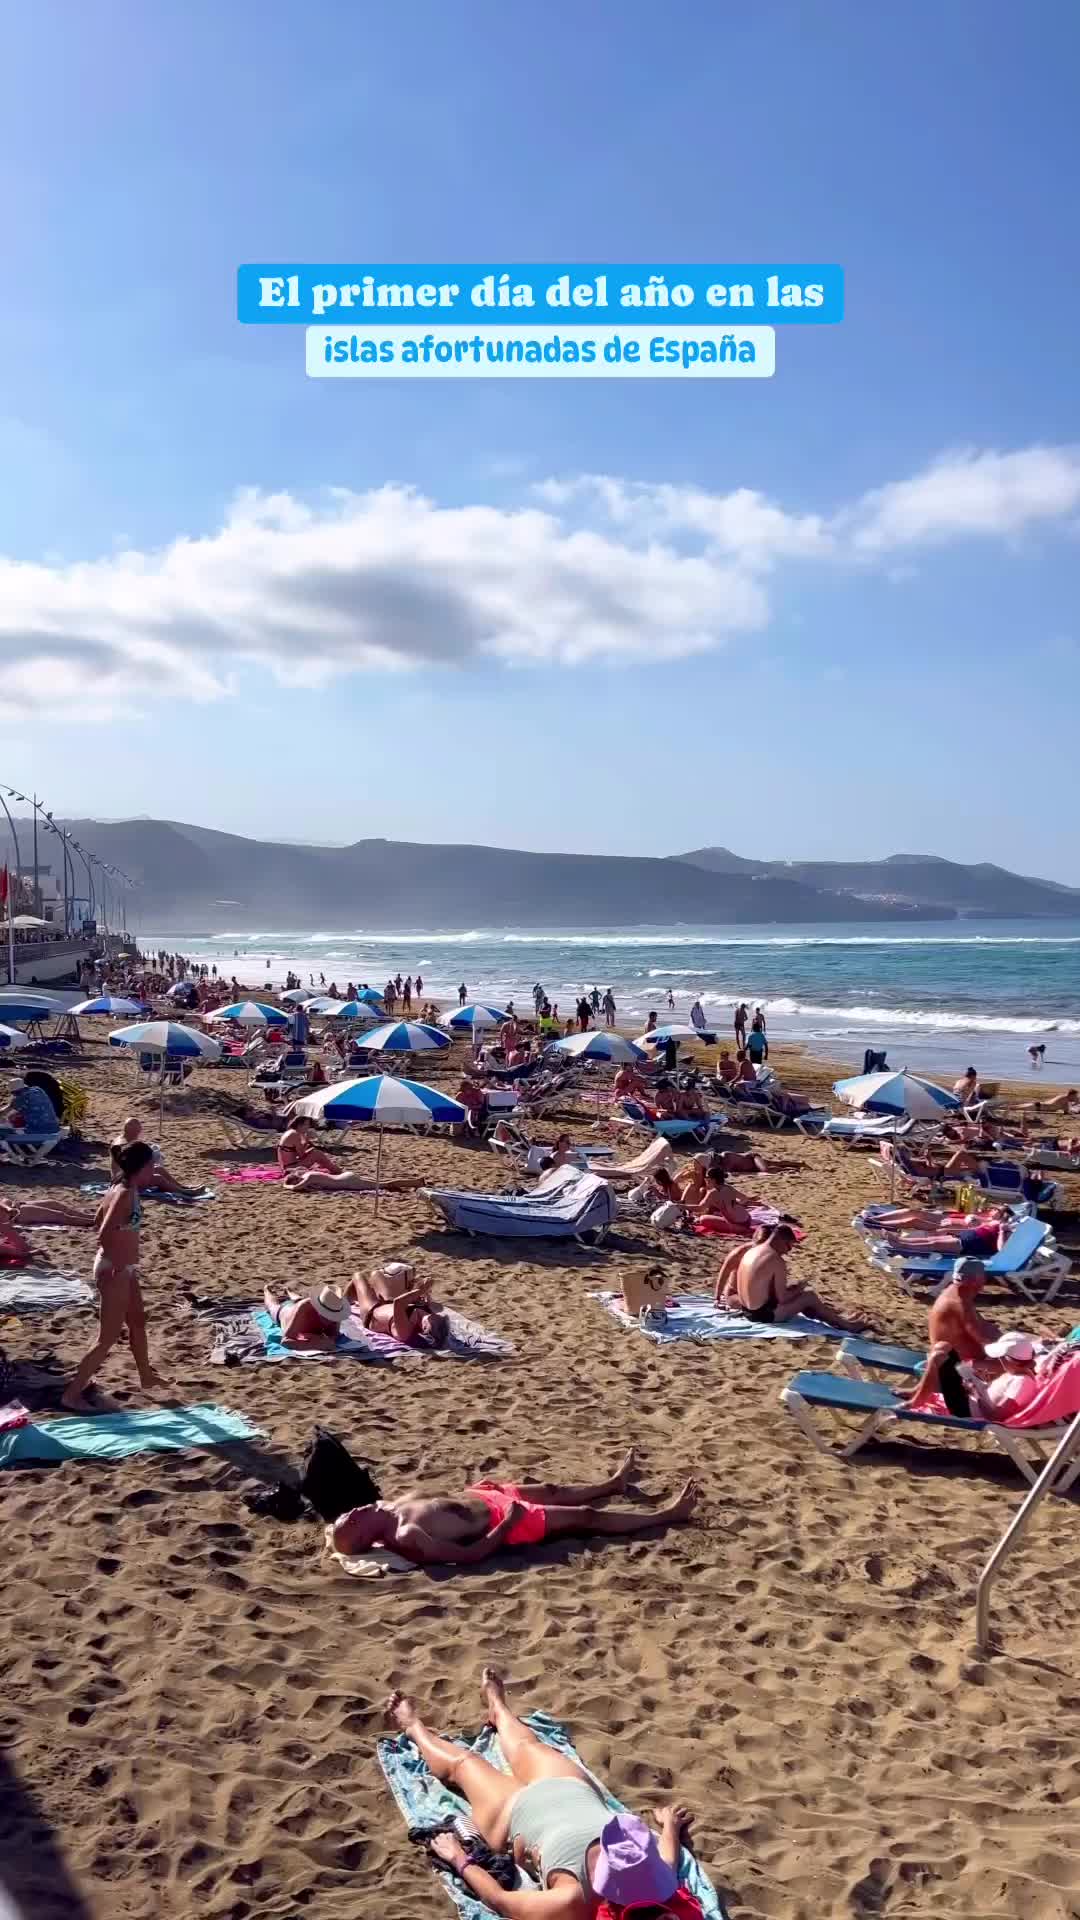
[(76, 1103)]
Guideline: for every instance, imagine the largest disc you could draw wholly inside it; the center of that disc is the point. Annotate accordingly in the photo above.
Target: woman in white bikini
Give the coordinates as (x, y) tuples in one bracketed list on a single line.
[(116, 1275)]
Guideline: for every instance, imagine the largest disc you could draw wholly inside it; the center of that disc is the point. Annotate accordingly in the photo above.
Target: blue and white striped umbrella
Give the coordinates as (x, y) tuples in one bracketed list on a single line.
[(10, 1041), (381, 1100), (600, 1045), (472, 1019), (900, 1094), (370, 997), (109, 1003), (251, 1013), (18, 1006), (323, 1004), (168, 1036), (404, 1036), (182, 986), (360, 1009), (676, 1031)]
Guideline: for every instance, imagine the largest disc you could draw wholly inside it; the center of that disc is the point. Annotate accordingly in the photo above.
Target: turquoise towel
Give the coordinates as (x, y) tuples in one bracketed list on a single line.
[(422, 1801), (114, 1436)]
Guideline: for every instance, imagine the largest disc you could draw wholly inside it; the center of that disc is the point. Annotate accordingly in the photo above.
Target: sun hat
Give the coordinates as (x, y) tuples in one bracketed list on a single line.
[(394, 1270), (1012, 1346), (967, 1270), (330, 1304), (631, 1870)]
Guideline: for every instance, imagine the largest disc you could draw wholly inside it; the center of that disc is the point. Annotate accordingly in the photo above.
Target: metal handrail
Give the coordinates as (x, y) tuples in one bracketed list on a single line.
[(1013, 1533)]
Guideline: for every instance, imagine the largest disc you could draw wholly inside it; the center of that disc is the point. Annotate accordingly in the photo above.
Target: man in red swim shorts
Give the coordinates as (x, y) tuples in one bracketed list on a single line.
[(437, 1530)]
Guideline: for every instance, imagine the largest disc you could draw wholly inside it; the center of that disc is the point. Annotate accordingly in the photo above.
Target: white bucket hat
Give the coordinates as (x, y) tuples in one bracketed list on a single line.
[(330, 1304)]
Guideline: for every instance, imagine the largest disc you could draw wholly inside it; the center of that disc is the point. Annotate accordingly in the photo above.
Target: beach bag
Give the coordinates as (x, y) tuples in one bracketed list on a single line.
[(333, 1481), (667, 1214), (644, 1292)]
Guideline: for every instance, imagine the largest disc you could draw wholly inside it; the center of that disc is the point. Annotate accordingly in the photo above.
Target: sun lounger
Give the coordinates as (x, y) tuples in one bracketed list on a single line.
[(1004, 1180), (657, 1154), (861, 1129), (1030, 1262), (697, 1132), (859, 1357), (566, 1205), (20, 1149), (878, 1408)]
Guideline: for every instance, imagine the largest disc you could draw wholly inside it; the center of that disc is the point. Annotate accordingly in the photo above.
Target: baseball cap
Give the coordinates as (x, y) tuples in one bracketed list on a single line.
[(1012, 1346)]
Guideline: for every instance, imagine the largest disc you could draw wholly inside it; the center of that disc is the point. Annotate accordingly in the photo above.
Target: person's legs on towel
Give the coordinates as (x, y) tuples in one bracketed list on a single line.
[(489, 1792), (528, 1757)]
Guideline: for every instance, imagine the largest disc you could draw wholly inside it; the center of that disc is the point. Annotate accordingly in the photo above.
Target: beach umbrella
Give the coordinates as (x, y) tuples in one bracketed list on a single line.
[(359, 1009), (600, 1045), (298, 996), (370, 998), (381, 1100), (473, 1019), (22, 1007), (323, 1004), (251, 1013), (906, 1096), (172, 1041), (404, 1036), (903, 1095), (182, 986), (678, 1032), (109, 1003), (11, 1040)]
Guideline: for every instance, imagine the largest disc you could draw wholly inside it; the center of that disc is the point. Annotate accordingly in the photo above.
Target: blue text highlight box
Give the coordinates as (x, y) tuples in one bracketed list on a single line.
[(294, 294)]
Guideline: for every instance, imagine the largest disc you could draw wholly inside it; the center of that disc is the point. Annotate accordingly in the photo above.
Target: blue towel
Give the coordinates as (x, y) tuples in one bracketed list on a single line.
[(114, 1436), (695, 1316), (422, 1802), (155, 1193), (372, 1347)]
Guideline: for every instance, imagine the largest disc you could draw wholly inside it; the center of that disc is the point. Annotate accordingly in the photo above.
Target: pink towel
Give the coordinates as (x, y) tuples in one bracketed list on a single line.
[(249, 1176), (1058, 1399), (13, 1415)]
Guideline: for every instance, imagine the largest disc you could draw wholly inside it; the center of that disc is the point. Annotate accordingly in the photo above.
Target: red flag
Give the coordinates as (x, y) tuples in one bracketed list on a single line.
[(3, 887)]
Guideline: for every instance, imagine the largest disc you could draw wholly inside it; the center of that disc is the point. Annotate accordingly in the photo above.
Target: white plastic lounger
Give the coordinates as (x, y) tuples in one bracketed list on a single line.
[(20, 1149), (880, 1408), (567, 1205), (1030, 1262)]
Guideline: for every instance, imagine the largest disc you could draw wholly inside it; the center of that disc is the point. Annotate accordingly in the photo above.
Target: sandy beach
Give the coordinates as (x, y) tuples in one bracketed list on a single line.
[(190, 1695)]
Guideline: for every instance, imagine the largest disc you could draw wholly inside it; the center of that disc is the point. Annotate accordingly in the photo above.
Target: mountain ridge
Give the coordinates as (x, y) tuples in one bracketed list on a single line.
[(188, 875)]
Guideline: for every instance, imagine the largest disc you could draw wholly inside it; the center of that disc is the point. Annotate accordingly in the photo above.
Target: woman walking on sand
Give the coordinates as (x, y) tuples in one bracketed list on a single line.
[(116, 1275)]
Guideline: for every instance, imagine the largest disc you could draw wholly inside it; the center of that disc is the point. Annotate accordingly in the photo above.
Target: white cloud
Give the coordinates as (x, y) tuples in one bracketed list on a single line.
[(965, 494), (598, 569)]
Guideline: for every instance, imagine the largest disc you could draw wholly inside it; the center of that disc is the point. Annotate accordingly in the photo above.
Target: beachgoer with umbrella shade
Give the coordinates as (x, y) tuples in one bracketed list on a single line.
[(170, 1042), (906, 1096), (381, 1100)]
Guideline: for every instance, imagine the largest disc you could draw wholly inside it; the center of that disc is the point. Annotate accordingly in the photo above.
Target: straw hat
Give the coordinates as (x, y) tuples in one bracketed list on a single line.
[(330, 1304)]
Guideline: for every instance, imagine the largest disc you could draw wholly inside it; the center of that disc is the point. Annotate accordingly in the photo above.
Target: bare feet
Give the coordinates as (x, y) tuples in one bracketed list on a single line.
[(493, 1688), (75, 1402), (686, 1502), (153, 1380), (400, 1710), (626, 1474)]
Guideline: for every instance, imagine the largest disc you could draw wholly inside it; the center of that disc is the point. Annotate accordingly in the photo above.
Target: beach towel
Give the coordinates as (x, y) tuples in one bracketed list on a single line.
[(423, 1801), (247, 1337), (466, 1341), (1058, 1399), (374, 1565), (696, 1316), (13, 1414), (258, 1176), (714, 1226), (155, 1193), (42, 1290), (115, 1436)]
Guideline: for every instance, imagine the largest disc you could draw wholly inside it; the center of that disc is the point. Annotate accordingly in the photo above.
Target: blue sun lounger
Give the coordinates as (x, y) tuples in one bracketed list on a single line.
[(879, 1408), (699, 1131), (1030, 1255)]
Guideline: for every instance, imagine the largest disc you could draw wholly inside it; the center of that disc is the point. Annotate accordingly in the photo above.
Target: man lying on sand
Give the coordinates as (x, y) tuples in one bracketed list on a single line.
[(546, 1811), (438, 1530), (393, 1301), (754, 1280)]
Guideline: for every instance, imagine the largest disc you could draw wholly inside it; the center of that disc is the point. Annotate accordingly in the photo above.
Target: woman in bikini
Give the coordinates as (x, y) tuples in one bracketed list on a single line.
[(116, 1275), (394, 1302), (297, 1149)]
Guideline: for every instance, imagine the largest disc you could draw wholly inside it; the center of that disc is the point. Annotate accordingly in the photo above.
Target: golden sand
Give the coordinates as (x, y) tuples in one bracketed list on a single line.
[(190, 1696)]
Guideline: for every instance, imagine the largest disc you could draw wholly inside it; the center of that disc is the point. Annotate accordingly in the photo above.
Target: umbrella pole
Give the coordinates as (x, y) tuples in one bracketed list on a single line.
[(161, 1097), (378, 1174)]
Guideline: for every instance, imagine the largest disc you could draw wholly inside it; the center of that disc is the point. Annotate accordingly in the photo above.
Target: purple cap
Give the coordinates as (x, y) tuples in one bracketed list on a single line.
[(631, 1870)]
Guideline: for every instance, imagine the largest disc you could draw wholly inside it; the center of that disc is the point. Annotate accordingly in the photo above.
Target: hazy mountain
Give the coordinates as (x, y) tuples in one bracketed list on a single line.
[(909, 879), (196, 879)]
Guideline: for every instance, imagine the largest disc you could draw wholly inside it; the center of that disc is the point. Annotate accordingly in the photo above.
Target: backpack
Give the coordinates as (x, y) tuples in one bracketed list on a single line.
[(333, 1481)]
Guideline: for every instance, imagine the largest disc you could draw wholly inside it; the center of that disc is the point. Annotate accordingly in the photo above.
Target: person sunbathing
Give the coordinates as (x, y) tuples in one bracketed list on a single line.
[(42, 1213), (690, 1104), (464, 1529), (954, 1320), (754, 1281), (161, 1180), (310, 1321), (563, 1154), (721, 1206), (297, 1149), (549, 1813), (665, 1101), (314, 1180), (629, 1084), (729, 1162), (394, 1302), (981, 1234), (966, 1395), (657, 1191), (726, 1070), (1067, 1102)]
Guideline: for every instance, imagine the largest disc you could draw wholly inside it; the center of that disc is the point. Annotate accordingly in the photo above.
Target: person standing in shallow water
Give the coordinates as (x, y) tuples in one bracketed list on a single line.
[(462, 994), (116, 1275)]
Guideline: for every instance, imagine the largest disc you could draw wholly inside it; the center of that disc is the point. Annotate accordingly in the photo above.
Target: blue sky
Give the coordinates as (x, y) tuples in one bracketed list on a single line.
[(831, 614)]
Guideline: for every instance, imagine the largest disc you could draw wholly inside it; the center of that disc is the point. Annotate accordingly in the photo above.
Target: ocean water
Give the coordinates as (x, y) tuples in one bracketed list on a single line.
[(941, 995)]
